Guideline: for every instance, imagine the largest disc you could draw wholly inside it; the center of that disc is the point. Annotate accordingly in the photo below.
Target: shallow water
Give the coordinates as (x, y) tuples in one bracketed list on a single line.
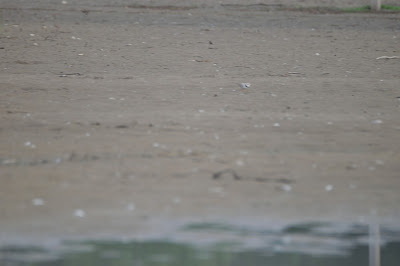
[(223, 244)]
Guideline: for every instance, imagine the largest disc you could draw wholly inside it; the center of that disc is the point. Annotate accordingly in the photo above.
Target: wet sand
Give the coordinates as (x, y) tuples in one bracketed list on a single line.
[(120, 121)]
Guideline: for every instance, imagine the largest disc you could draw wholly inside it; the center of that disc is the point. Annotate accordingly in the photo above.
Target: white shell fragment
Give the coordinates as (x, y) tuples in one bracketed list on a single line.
[(244, 85), (38, 202), (239, 163), (376, 122), (388, 57), (79, 213), (29, 144), (131, 207), (328, 187)]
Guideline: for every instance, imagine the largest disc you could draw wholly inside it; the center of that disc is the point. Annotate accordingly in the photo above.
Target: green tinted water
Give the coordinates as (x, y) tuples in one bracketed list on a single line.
[(303, 244)]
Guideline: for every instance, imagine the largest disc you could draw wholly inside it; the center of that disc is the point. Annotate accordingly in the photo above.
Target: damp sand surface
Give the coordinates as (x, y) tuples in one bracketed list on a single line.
[(121, 121)]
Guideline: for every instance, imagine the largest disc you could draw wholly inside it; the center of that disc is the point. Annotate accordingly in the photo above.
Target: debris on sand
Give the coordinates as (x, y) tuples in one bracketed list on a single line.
[(226, 172), (388, 57), (244, 85)]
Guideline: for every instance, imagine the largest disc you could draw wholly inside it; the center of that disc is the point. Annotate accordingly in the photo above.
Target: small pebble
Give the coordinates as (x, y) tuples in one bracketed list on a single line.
[(176, 200), (328, 187), (79, 213), (239, 163), (38, 202), (376, 122)]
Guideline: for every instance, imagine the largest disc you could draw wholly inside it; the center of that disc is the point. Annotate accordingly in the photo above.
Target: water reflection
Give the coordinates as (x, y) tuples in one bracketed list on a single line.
[(295, 245), (374, 245)]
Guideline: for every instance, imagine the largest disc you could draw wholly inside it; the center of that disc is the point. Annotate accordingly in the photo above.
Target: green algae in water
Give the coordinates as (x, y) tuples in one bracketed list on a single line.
[(311, 244), (167, 253)]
